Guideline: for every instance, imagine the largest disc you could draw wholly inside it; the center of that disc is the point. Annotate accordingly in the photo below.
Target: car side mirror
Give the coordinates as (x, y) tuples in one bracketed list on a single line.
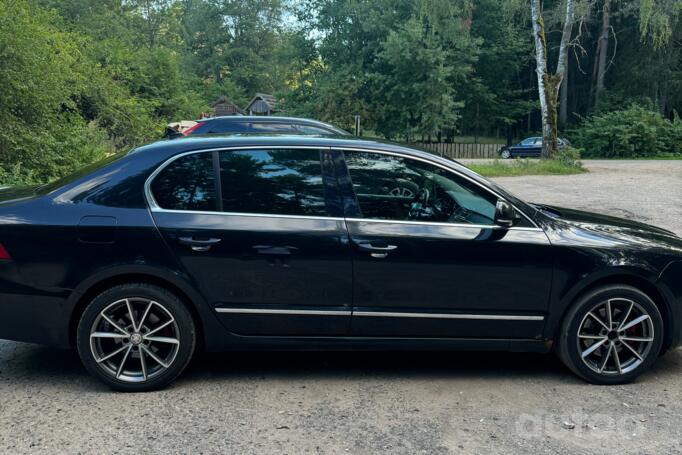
[(505, 215)]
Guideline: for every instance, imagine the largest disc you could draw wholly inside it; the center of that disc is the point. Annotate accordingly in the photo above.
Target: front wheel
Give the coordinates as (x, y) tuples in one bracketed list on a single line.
[(505, 154), (136, 337), (611, 335)]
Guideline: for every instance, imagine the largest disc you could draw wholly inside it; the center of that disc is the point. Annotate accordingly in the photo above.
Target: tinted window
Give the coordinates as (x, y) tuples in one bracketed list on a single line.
[(280, 182), (217, 126), (394, 188), (309, 129), (268, 127), (187, 183), (232, 126)]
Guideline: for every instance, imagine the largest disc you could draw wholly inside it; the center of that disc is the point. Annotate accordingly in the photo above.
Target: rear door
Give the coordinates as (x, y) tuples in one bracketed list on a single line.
[(261, 234), (534, 147)]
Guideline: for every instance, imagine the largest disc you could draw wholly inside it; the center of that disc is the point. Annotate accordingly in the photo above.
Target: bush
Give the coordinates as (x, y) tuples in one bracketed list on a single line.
[(67, 99), (629, 133), (569, 156)]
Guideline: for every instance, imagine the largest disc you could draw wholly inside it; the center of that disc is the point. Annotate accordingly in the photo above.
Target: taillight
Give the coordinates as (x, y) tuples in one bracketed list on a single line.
[(189, 130), (4, 255)]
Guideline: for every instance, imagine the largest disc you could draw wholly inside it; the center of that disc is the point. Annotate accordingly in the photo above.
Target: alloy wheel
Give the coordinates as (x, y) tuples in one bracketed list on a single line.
[(615, 336), (134, 339)]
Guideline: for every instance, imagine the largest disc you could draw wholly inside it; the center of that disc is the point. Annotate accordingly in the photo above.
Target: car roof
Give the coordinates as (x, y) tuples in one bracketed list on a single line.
[(220, 140), (167, 148)]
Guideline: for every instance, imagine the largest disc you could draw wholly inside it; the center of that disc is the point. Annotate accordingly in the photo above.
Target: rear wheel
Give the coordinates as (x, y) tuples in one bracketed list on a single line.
[(612, 335), (136, 337)]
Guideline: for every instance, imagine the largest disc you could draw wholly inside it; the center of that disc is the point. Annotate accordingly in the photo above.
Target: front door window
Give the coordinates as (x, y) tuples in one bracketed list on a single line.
[(395, 188)]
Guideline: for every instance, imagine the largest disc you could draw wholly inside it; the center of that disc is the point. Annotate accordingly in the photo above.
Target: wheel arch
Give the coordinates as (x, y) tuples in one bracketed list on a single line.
[(636, 281), (101, 282)]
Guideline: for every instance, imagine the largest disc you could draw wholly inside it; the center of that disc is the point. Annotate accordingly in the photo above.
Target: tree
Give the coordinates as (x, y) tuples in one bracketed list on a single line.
[(497, 95), (602, 51), (43, 134), (549, 84), (415, 85)]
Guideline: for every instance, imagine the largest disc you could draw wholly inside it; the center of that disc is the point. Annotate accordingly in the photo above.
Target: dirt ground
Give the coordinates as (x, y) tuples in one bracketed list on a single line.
[(363, 403), (648, 191)]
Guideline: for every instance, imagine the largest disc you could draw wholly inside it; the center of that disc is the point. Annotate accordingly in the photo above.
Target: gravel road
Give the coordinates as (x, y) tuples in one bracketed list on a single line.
[(362, 403), (648, 191)]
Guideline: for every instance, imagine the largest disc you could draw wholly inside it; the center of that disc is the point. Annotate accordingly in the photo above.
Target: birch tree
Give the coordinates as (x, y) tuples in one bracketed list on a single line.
[(550, 83)]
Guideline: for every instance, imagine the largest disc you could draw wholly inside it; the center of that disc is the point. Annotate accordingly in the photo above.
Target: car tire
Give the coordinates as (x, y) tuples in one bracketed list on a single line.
[(611, 335), (505, 154), (140, 353)]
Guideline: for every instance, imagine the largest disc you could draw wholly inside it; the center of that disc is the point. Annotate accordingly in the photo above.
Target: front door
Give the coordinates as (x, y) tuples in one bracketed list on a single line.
[(530, 147), (428, 261), (255, 230)]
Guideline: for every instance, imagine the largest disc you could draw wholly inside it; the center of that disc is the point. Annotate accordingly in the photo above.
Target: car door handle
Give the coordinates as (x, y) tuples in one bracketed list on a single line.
[(378, 252), (274, 250), (198, 244)]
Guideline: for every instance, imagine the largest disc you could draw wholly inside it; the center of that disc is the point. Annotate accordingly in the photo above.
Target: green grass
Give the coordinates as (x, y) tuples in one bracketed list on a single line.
[(515, 168), (480, 140)]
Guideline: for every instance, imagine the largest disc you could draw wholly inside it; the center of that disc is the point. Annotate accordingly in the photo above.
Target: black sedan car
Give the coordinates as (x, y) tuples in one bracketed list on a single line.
[(302, 242), (261, 125), (528, 148)]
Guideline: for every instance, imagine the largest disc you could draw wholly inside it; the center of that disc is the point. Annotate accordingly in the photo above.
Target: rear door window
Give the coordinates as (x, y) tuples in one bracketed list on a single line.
[(278, 182)]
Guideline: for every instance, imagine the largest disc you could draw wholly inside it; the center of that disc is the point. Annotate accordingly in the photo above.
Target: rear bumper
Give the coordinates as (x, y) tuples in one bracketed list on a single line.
[(34, 319)]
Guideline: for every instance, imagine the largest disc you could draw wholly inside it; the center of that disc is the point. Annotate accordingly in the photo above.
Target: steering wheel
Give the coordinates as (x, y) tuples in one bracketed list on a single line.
[(444, 207)]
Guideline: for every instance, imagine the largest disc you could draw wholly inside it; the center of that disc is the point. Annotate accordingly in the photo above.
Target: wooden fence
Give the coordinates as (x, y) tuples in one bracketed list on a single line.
[(454, 150)]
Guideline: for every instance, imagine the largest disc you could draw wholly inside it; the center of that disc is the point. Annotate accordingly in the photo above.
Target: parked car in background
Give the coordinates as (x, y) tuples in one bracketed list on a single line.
[(528, 148), (299, 242), (236, 124)]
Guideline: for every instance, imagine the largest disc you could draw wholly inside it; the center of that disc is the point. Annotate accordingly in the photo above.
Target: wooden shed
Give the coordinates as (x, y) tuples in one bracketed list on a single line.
[(262, 104), (225, 106)]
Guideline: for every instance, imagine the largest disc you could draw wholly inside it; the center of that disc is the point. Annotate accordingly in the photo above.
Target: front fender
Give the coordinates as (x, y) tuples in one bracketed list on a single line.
[(566, 289)]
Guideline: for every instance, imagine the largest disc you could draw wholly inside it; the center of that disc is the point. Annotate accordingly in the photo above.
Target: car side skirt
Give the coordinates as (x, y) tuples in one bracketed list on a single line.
[(263, 343)]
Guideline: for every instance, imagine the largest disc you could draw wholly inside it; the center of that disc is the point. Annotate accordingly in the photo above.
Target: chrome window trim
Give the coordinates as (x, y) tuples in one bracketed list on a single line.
[(496, 317), (442, 224), (356, 220), (384, 314), (433, 163), (292, 312), (154, 207), (259, 215)]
